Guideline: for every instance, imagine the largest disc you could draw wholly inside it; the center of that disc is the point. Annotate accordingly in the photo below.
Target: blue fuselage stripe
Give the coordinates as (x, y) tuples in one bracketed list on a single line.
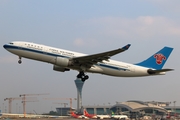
[(33, 50), (112, 67)]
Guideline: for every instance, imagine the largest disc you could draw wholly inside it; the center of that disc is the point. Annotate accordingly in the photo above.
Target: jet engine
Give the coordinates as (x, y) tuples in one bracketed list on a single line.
[(63, 62), (61, 69)]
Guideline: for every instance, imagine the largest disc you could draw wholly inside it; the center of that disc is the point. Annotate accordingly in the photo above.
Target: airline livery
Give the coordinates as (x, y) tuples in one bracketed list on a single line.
[(64, 60), (77, 116), (119, 117), (93, 116)]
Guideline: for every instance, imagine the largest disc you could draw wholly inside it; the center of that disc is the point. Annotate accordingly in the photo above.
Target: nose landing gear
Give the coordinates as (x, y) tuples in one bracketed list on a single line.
[(82, 76), (19, 61)]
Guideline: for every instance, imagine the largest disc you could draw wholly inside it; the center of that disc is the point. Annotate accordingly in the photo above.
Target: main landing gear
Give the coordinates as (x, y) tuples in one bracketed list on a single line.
[(19, 61), (82, 76)]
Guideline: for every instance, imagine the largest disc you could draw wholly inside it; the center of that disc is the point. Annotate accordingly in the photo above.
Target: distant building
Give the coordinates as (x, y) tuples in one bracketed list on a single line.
[(64, 111), (131, 108), (161, 104), (98, 109), (173, 109), (136, 109)]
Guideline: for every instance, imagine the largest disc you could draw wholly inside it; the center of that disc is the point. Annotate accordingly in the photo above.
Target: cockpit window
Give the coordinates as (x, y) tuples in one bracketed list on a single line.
[(11, 43)]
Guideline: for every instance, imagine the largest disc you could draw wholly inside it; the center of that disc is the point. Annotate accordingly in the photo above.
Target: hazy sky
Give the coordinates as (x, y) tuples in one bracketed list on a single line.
[(88, 26)]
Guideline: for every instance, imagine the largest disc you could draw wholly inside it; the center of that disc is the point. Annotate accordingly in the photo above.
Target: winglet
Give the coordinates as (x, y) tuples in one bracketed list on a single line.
[(126, 47)]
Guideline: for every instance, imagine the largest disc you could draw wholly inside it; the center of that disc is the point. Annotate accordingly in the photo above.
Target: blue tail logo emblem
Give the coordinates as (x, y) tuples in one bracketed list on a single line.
[(159, 58)]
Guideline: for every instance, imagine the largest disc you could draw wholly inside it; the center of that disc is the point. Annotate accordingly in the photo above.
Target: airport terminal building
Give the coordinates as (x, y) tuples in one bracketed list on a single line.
[(130, 108), (136, 109)]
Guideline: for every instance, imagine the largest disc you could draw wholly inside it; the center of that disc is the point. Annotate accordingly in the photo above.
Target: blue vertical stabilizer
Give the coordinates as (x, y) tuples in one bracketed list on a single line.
[(157, 60)]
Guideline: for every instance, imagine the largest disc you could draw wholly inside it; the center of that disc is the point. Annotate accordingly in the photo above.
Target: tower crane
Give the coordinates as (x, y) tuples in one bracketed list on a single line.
[(10, 102), (24, 100)]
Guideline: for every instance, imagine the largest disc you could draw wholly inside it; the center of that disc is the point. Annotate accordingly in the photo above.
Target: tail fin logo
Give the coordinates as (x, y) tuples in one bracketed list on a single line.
[(159, 58), (85, 112)]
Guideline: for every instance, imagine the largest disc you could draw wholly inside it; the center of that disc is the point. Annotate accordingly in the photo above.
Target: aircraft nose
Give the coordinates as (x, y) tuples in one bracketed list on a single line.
[(5, 46)]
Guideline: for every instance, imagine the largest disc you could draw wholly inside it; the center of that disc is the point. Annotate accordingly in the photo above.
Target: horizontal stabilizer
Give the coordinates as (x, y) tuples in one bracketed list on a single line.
[(150, 71)]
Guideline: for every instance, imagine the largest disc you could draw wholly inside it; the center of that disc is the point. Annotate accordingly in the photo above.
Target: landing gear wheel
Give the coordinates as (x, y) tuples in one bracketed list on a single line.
[(19, 61), (82, 76), (86, 77), (83, 79), (78, 76)]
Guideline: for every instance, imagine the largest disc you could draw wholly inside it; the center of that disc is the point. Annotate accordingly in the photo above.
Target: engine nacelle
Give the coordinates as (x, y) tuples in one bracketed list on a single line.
[(61, 69), (63, 62)]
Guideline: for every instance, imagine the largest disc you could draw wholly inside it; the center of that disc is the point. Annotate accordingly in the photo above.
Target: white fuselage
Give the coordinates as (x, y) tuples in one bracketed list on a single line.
[(49, 54), (119, 116), (103, 116)]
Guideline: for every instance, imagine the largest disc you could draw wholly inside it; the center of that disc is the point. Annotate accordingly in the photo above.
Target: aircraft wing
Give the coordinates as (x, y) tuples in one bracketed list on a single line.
[(89, 60)]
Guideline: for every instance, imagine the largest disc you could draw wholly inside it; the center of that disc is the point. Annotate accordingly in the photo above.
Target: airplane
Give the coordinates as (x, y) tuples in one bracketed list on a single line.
[(92, 116), (77, 116), (118, 116), (103, 117), (64, 60)]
